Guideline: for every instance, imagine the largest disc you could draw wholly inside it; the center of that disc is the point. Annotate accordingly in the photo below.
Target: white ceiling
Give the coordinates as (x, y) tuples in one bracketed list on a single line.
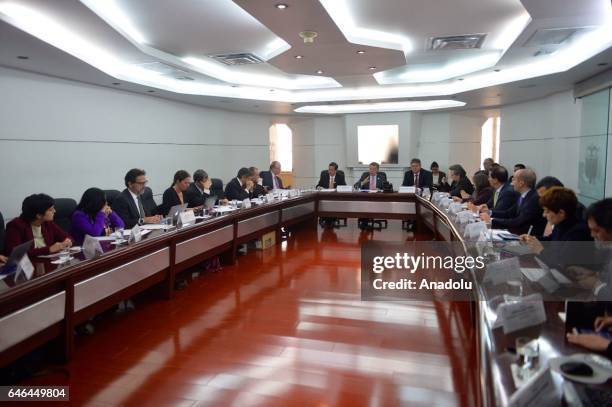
[(78, 40)]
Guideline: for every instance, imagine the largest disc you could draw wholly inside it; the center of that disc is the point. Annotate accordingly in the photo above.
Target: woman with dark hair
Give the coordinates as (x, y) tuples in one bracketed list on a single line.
[(460, 181), (438, 177), (175, 195), (36, 223), (482, 190), (93, 216)]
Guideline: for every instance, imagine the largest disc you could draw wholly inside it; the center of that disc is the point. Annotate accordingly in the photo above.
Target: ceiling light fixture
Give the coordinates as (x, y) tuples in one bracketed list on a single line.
[(116, 83), (308, 36), (372, 68), (319, 71), (380, 107), (361, 52), (281, 6), (299, 56), (23, 57)]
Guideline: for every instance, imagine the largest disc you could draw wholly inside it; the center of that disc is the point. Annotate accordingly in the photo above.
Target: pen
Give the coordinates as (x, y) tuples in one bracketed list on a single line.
[(530, 229)]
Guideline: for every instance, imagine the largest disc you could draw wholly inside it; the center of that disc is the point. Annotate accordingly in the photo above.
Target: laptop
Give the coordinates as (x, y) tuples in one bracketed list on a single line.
[(210, 202), (16, 255), (175, 211)]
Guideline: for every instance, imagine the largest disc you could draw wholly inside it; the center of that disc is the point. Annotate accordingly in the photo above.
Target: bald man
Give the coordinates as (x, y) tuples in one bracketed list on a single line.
[(525, 216)]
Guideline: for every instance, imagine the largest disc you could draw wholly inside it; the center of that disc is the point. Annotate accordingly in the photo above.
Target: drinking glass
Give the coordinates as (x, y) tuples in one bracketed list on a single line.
[(528, 351)]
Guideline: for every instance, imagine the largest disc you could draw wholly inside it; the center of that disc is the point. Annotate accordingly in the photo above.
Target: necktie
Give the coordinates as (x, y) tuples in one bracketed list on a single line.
[(416, 180), (372, 182), (520, 201), (331, 182), (495, 198), (140, 207), (274, 182)]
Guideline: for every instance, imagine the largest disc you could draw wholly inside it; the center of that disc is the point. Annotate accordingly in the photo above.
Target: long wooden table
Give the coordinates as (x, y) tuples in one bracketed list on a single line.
[(49, 306)]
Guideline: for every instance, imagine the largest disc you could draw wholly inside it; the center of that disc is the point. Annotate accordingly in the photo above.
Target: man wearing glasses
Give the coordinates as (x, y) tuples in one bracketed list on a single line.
[(135, 205)]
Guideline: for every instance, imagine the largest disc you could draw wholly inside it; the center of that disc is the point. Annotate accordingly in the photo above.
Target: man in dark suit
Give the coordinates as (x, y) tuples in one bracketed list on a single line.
[(271, 179), (371, 179), (241, 187), (258, 189), (135, 204), (417, 176), (199, 190), (504, 196), (331, 178), (526, 213)]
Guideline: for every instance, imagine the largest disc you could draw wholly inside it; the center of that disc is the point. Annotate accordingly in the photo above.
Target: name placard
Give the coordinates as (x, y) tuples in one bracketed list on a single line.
[(526, 312), (344, 188), (539, 391), (135, 234), (91, 247), (25, 266), (504, 270), (407, 190), (186, 218)]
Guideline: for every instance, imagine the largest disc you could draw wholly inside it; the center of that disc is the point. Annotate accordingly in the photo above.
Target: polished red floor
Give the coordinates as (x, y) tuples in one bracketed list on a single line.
[(282, 327)]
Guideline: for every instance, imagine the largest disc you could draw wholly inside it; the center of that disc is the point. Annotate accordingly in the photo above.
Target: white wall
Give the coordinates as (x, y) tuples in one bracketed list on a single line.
[(61, 137), (450, 138), (543, 134)]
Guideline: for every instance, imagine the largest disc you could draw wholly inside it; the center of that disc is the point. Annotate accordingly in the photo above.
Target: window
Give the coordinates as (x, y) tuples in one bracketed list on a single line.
[(281, 146), (378, 143), (489, 141)]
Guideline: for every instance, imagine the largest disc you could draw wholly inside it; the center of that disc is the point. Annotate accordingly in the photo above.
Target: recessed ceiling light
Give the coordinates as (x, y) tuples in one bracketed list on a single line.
[(234, 86), (116, 83), (497, 70), (372, 68), (23, 57), (281, 6), (361, 52), (271, 90), (459, 79), (151, 91), (299, 57), (602, 64), (319, 71)]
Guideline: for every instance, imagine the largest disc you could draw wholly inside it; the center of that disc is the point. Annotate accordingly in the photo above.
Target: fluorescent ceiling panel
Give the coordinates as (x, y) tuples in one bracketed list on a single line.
[(381, 107)]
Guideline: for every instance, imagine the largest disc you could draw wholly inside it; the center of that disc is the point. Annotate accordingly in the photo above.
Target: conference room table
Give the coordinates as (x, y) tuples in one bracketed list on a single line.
[(58, 298)]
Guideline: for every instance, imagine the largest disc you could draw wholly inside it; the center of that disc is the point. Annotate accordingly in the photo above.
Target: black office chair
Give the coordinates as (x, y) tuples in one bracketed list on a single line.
[(216, 188), (64, 207), (1, 233), (111, 194)]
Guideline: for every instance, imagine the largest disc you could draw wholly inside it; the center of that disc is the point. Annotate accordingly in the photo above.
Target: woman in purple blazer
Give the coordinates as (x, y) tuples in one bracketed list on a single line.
[(93, 216)]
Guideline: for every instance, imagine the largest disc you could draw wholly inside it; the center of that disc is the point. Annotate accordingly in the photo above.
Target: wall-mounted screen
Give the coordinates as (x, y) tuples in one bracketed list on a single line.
[(378, 143)]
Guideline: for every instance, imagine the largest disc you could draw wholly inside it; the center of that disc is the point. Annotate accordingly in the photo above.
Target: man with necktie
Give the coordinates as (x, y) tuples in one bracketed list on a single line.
[(371, 180), (417, 176), (135, 205), (330, 179), (271, 179)]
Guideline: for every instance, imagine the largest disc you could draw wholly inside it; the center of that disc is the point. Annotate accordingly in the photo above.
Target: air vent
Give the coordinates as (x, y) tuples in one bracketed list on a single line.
[(551, 36), (452, 42), (184, 78), (542, 52), (238, 59)]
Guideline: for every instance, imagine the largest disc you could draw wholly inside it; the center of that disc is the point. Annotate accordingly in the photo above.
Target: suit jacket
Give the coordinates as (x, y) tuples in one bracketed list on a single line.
[(127, 210), (380, 179), (235, 190), (19, 231), (258, 190), (527, 214), (463, 184), (564, 252), (194, 197), (506, 199), (324, 180), (266, 177), (425, 179)]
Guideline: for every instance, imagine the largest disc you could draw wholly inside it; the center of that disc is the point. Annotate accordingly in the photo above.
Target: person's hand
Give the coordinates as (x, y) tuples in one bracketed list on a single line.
[(589, 282), (67, 243), (223, 201), (602, 322), (56, 247), (457, 199), (365, 181), (548, 229), (589, 341), (3, 259), (319, 188), (207, 183), (534, 244), (485, 216), (107, 210), (443, 180), (579, 273), (464, 194), (249, 185), (152, 219)]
